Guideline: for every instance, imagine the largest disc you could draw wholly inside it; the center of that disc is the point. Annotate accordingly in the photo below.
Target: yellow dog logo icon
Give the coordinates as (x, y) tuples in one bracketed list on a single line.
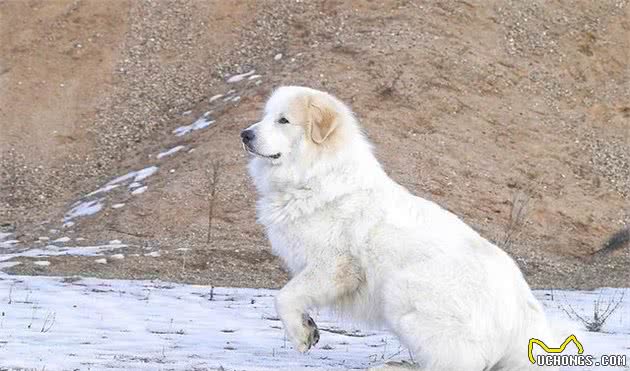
[(560, 349)]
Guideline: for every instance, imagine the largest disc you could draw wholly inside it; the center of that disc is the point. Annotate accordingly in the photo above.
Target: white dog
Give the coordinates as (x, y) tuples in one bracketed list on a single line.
[(356, 241)]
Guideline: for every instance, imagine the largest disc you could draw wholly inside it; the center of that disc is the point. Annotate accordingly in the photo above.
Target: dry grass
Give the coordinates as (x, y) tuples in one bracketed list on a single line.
[(517, 220), (602, 310), (213, 180)]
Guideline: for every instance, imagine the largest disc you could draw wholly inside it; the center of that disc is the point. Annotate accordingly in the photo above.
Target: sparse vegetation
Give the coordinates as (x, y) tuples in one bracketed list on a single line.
[(49, 322), (388, 90), (185, 253), (602, 310), (11, 293), (213, 181), (32, 317), (517, 219)]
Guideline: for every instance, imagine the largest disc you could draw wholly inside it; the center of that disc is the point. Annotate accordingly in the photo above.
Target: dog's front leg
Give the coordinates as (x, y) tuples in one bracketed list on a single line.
[(316, 286)]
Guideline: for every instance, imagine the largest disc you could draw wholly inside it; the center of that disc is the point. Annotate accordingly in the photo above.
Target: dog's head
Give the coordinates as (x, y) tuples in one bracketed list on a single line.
[(297, 122)]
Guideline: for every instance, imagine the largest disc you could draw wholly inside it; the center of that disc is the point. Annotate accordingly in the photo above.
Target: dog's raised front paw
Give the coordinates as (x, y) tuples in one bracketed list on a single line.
[(308, 335), (313, 337)]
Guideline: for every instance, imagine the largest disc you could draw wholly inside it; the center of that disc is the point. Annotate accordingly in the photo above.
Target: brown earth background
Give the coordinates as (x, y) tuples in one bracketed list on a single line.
[(480, 106)]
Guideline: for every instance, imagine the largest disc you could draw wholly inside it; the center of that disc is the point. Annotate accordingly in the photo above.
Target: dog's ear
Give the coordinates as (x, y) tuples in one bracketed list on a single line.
[(323, 120)]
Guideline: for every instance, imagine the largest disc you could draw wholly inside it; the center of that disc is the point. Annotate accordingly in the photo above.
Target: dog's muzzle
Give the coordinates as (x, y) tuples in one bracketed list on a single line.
[(247, 136)]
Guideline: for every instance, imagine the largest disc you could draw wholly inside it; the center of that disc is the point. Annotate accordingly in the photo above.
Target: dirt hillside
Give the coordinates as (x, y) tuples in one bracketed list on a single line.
[(515, 115)]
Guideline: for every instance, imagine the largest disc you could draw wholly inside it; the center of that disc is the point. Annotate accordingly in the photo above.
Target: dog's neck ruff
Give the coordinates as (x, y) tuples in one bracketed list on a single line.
[(290, 191)]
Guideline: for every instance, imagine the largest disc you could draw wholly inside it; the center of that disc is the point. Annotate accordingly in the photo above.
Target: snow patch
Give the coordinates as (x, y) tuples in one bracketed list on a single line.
[(9, 243), (145, 173), (153, 254), (101, 261), (52, 250), (123, 178), (4, 265), (84, 208), (42, 263), (151, 325), (169, 152), (104, 189), (62, 239), (117, 256), (137, 176), (201, 123), (214, 97), (138, 191), (118, 206), (237, 78)]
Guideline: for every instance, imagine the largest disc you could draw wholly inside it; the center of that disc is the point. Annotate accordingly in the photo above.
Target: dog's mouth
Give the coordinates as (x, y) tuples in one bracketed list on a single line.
[(252, 151)]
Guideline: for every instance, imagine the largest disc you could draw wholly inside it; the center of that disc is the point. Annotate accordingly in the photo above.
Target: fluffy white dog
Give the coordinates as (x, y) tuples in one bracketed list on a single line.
[(356, 241)]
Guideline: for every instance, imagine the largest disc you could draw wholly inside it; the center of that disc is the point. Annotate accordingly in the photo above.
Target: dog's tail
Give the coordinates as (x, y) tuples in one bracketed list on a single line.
[(615, 242)]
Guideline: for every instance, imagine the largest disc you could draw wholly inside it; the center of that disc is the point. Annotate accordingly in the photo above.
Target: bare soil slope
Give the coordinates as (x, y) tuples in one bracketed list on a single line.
[(480, 106)]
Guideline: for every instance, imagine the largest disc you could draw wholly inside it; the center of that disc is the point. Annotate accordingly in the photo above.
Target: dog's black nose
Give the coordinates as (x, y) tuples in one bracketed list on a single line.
[(247, 136)]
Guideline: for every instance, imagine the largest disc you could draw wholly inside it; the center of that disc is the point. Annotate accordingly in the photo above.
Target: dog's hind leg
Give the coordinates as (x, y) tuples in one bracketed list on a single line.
[(436, 349), (441, 326)]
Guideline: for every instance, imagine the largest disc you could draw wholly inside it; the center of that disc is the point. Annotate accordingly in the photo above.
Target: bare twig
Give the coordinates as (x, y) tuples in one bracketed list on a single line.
[(213, 181), (32, 317), (49, 322), (518, 218), (11, 293), (118, 230), (184, 262), (599, 318)]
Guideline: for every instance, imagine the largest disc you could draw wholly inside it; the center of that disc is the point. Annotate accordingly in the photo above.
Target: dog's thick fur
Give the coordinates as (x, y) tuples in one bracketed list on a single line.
[(356, 241)]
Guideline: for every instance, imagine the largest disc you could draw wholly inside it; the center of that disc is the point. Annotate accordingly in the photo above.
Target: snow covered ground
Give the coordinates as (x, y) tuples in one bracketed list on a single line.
[(91, 324)]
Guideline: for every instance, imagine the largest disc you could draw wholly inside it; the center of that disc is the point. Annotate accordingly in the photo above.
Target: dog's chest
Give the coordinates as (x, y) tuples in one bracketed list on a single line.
[(299, 233)]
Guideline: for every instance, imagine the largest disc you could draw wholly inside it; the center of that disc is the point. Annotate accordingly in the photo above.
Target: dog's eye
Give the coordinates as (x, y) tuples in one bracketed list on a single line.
[(283, 120)]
